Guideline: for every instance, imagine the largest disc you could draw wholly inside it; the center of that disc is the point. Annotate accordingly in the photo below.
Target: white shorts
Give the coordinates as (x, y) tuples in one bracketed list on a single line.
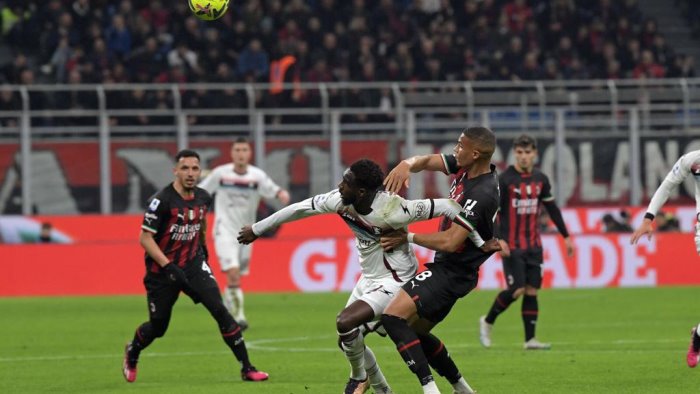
[(231, 254), (377, 293)]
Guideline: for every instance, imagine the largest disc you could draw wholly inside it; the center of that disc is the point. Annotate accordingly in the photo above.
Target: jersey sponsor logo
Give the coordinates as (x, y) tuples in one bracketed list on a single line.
[(154, 204), (184, 232), (470, 204), (525, 206), (421, 210), (150, 217)]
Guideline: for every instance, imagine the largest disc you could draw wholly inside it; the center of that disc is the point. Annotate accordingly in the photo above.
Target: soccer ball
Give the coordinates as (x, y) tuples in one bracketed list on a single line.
[(208, 10)]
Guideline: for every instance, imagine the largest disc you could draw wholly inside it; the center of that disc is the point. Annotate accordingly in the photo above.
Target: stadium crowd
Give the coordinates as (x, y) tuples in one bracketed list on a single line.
[(117, 41)]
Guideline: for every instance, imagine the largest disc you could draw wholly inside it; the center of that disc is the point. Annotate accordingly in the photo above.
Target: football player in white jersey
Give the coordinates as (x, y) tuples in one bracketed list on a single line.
[(688, 164), (237, 187), (369, 213)]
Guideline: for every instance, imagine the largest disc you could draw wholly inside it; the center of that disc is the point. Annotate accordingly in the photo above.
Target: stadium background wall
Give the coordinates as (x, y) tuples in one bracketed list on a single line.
[(595, 173), (317, 254)]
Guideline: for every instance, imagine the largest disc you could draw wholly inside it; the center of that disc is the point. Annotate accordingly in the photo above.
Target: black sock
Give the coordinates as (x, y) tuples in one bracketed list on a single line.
[(500, 304), (530, 310), (143, 337), (696, 341), (439, 358), (233, 338), (409, 347)]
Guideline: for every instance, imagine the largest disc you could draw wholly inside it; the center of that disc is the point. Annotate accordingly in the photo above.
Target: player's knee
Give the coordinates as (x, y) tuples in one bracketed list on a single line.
[(159, 327), (516, 293), (345, 323), (530, 291)]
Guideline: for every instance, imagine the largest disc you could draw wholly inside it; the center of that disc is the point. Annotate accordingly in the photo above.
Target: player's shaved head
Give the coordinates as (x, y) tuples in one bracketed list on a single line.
[(483, 138), (367, 174)]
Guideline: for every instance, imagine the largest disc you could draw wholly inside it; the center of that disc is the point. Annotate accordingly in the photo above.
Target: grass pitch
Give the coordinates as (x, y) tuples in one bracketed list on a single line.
[(604, 340)]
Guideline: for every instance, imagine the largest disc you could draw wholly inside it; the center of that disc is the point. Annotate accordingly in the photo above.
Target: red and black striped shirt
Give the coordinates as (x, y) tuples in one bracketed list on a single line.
[(176, 224), (521, 198)]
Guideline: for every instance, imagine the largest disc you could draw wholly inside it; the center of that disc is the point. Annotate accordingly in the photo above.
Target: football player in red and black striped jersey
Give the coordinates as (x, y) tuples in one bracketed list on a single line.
[(173, 236), (524, 189)]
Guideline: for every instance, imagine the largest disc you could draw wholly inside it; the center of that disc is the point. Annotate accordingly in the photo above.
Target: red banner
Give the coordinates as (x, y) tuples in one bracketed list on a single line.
[(103, 256)]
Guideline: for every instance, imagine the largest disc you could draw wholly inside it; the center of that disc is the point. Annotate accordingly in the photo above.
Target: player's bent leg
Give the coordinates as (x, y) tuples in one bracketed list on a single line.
[(231, 333), (693, 355), (234, 296), (500, 304), (145, 334), (396, 319), (440, 360), (352, 342), (374, 373)]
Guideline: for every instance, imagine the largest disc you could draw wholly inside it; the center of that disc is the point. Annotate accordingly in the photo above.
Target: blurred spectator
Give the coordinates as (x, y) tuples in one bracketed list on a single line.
[(611, 225), (666, 222), (254, 61), (118, 37), (648, 68), (45, 232)]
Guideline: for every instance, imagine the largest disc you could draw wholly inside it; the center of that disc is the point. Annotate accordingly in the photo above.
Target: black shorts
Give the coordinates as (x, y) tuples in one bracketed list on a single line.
[(523, 267), (162, 294), (436, 289)]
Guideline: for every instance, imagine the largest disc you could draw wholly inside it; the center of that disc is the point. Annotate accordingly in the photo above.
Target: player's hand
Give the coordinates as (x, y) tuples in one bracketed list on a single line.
[(491, 246), (283, 196), (645, 229), (389, 241), (569, 246), (175, 274), (246, 235), (398, 177), (505, 250)]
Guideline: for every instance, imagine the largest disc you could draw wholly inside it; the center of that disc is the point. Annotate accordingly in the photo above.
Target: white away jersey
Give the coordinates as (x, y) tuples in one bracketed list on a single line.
[(389, 212), (237, 196), (688, 164)]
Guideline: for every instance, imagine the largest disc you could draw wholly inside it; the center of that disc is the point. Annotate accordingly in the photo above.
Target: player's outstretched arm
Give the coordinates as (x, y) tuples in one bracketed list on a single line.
[(645, 228), (398, 177), (246, 235)]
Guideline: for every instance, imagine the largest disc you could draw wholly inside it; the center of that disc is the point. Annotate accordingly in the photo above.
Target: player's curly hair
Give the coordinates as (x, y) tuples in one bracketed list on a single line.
[(367, 174)]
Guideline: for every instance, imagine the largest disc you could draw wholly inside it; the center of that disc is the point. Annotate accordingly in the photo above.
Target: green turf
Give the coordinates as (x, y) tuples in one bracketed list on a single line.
[(610, 340)]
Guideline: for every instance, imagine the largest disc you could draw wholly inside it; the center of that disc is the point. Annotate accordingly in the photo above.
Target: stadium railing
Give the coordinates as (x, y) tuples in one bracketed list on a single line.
[(401, 113)]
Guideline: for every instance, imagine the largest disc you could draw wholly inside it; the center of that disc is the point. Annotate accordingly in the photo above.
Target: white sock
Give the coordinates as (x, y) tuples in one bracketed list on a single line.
[(228, 300), (462, 387), (376, 377), (354, 350), (236, 295), (431, 388)]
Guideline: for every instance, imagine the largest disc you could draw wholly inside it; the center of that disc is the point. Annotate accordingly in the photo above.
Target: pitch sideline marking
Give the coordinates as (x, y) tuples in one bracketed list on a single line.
[(260, 345)]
